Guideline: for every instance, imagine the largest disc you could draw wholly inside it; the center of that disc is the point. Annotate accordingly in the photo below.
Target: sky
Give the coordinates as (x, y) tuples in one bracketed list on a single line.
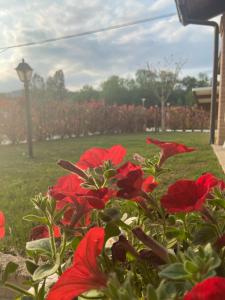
[(92, 59)]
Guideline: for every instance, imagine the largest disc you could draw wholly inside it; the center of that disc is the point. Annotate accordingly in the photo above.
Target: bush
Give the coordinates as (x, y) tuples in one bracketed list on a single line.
[(66, 119)]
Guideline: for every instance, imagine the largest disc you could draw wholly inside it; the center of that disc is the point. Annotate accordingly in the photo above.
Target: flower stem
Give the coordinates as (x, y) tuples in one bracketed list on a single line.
[(52, 239), (17, 288)]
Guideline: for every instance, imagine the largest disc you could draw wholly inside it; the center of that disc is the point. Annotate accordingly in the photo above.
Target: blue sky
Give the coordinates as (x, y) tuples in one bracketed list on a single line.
[(91, 59)]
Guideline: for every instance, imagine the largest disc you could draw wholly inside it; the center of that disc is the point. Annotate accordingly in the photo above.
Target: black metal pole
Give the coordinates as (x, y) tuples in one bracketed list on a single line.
[(214, 87), (28, 119), (215, 73)]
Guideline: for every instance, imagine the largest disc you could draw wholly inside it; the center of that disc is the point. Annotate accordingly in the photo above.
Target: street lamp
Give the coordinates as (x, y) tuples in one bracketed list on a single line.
[(24, 72)]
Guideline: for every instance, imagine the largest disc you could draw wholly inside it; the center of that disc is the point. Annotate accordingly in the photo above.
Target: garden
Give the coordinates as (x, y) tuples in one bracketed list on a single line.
[(130, 216)]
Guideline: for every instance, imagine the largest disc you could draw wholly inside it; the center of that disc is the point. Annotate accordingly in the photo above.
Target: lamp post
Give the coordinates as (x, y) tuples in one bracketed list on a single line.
[(24, 72)]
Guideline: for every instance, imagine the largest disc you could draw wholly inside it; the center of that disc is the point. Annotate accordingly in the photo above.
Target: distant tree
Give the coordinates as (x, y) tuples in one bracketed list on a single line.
[(113, 90), (59, 85), (37, 87), (55, 86), (163, 80), (203, 80), (89, 93), (144, 78), (189, 83)]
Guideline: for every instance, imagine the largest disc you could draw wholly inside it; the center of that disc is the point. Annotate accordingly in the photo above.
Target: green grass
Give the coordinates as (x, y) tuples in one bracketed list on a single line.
[(22, 178)]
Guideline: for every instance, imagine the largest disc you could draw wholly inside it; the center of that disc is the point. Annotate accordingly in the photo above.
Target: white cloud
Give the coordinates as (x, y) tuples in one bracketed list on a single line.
[(91, 59)]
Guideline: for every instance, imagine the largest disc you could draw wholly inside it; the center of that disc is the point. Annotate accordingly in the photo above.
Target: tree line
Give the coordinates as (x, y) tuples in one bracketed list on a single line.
[(151, 85)]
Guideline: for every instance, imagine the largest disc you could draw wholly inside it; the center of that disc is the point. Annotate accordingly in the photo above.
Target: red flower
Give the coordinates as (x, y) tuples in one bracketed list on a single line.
[(41, 232), (132, 183), (95, 157), (185, 196), (2, 225), (68, 191), (67, 186), (98, 198), (209, 289), (211, 181), (84, 275), (168, 148)]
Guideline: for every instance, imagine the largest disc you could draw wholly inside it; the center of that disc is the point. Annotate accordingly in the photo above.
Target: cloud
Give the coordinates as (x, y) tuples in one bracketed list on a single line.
[(91, 59)]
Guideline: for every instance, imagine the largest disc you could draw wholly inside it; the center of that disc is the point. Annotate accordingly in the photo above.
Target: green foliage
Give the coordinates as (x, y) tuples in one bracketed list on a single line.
[(10, 269)]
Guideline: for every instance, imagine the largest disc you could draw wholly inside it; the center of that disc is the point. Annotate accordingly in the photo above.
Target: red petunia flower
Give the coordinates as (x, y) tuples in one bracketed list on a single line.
[(212, 288), (168, 149), (2, 225), (95, 157), (41, 232), (132, 183), (211, 181), (67, 186), (185, 196), (98, 198), (84, 275)]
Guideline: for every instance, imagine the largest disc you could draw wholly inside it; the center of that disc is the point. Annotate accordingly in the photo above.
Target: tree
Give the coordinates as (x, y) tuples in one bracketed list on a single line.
[(113, 90), (55, 86), (163, 80), (37, 87)]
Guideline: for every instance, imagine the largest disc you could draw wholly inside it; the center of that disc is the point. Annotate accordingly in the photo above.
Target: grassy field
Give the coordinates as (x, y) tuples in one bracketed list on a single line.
[(22, 178)]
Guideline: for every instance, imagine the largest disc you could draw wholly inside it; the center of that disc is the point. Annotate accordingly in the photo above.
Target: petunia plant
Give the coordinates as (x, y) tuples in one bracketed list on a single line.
[(105, 231)]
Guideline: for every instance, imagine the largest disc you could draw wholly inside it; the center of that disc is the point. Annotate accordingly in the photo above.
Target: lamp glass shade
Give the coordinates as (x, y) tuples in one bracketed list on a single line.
[(24, 71)]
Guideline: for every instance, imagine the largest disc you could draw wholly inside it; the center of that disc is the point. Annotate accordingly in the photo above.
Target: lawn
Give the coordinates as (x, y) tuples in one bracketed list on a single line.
[(22, 178)]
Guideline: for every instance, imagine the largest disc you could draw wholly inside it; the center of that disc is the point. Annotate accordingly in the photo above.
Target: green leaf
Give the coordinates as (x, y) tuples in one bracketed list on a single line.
[(167, 291), (35, 218), (41, 292), (10, 269), (175, 272), (46, 270), (190, 267), (173, 232), (111, 215), (204, 235), (218, 202), (42, 246), (151, 293), (75, 242), (31, 266), (111, 230), (60, 213)]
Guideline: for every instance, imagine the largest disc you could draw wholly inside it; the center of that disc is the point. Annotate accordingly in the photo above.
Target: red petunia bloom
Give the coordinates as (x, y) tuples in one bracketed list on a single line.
[(95, 157), (212, 288), (41, 232), (132, 183), (168, 149), (67, 186), (98, 198), (69, 189), (84, 275), (2, 225), (211, 181), (185, 196)]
